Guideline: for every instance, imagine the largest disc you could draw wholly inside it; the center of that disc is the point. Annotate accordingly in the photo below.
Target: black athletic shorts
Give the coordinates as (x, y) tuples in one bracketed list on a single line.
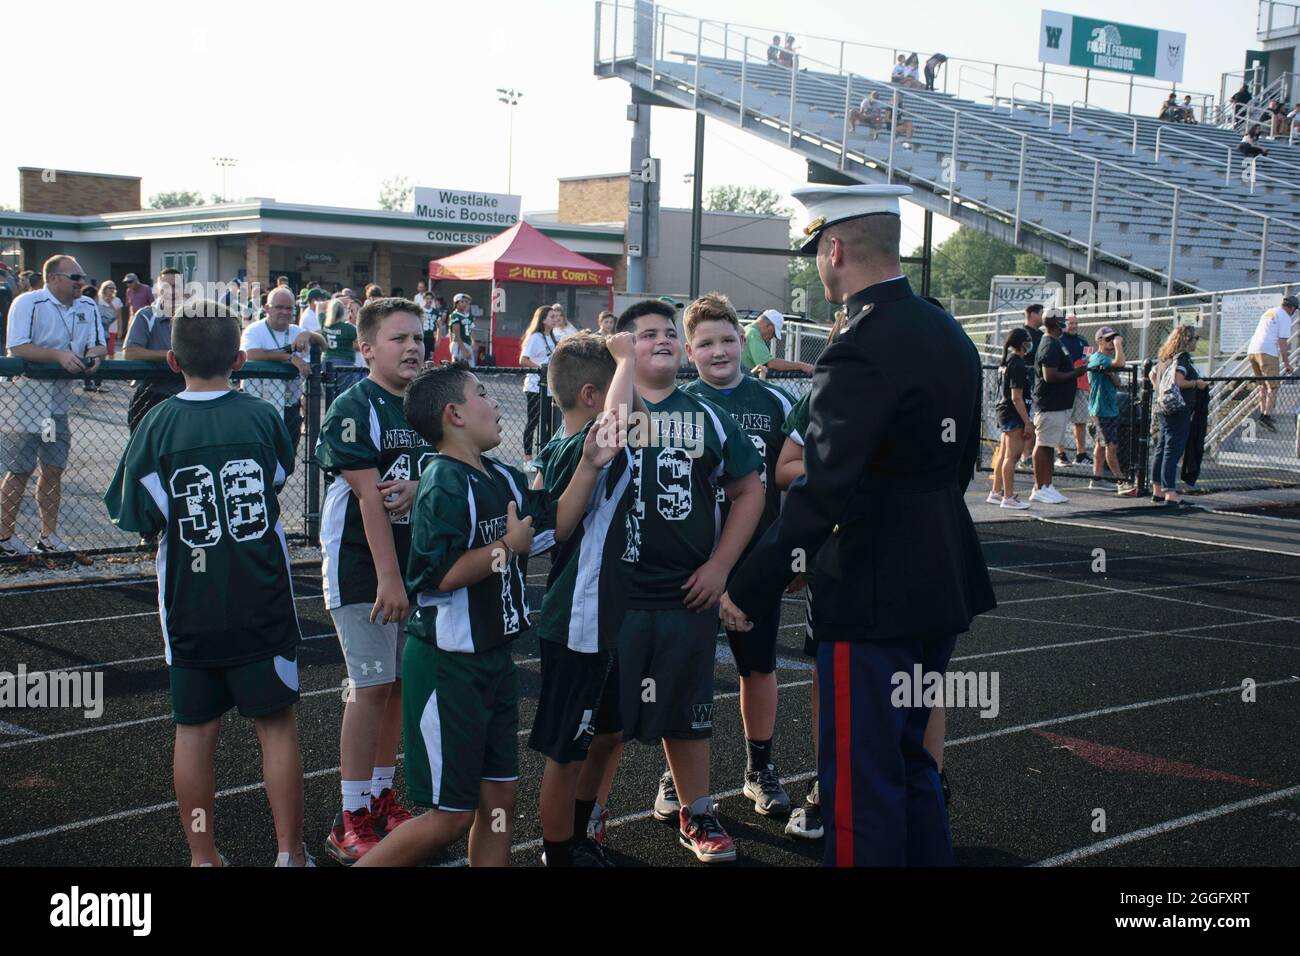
[(666, 658), (258, 689), (578, 700), (755, 650)]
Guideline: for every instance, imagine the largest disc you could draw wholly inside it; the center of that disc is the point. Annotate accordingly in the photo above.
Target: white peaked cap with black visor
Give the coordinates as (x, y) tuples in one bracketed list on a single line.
[(829, 205)]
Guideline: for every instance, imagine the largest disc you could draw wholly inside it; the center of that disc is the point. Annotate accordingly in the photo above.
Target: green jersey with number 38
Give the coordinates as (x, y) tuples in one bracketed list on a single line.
[(365, 427), (202, 470)]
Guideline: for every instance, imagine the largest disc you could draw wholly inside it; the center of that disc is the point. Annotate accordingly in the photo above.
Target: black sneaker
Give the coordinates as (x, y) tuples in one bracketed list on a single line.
[(589, 853), (805, 822), (667, 806), (764, 788), (1082, 458), (1267, 422), (1060, 456)]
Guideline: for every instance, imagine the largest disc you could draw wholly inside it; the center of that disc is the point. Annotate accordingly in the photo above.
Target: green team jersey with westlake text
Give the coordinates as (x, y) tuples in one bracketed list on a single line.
[(365, 427), (796, 422), (340, 342), (673, 521), (202, 470), (582, 608), (760, 410), (457, 509)]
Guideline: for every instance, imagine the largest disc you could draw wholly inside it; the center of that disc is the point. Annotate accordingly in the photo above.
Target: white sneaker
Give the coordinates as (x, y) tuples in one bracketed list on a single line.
[(14, 547), (994, 498), (1041, 494), (51, 542), (1014, 502), (224, 862), (1054, 496), (285, 860), (1096, 484)]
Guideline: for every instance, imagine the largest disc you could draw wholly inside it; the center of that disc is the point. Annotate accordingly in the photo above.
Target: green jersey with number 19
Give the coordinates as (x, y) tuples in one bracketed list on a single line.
[(673, 521), (365, 427), (457, 509), (202, 469)]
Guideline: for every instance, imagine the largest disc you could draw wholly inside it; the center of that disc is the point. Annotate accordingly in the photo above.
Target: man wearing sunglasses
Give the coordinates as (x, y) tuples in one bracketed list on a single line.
[(55, 325)]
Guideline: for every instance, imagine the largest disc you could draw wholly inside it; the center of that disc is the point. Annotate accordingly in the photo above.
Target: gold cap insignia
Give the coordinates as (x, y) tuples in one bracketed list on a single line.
[(813, 226)]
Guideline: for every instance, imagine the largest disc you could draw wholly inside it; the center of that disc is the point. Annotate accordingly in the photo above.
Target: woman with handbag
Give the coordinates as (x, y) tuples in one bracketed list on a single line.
[(1175, 379)]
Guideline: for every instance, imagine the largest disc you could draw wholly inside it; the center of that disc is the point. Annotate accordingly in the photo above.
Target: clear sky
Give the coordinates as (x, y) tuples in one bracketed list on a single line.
[(319, 103)]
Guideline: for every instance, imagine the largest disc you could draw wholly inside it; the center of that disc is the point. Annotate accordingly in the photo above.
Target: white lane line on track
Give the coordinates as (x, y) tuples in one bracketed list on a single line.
[(1123, 839), (13, 730), (114, 617), (1172, 537), (973, 738), (1148, 592)]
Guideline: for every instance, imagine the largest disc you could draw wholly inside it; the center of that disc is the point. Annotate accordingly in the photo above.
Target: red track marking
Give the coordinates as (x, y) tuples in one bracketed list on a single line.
[(1115, 758)]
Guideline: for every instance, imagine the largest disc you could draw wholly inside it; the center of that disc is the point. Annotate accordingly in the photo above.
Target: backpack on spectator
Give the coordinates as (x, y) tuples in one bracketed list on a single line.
[(1169, 397)]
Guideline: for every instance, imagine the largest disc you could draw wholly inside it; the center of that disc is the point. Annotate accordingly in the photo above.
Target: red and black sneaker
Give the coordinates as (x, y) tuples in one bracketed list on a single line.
[(598, 827), (387, 813), (352, 837), (703, 835)]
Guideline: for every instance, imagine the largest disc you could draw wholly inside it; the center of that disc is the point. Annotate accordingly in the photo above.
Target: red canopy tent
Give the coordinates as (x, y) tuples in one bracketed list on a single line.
[(522, 254)]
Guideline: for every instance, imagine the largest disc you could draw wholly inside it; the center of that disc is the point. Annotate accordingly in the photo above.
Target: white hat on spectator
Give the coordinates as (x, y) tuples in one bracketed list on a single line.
[(776, 318)]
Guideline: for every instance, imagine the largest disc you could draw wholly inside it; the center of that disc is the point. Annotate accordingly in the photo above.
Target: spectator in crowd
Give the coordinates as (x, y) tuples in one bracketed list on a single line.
[(460, 323), (605, 323), (55, 325), (148, 339), (138, 295), (774, 51), (1034, 326), (913, 73), (29, 281), (1249, 146), (8, 291), (903, 129), (1103, 404), (1077, 347), (1189, 111), (1054, 391), (1269, 348), (788, 55), (110, 311), (540, 339), (421, 296), (757, 350), (1241, 105), (277, 339), (1170, 112), (310, 318), (898, 74), (374, 291), (1292, 118), (869, 113), (1277, 119), (340, 335), (563, 328), (1175, 379), (429, 323), (932, 65), (1013, 419), (282, 282)]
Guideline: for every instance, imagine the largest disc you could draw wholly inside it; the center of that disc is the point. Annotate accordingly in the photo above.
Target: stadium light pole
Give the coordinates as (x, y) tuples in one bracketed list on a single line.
[(225, 162), (511, 99)]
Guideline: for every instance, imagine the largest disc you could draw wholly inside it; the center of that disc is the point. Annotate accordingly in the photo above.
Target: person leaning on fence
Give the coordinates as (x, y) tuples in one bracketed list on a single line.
[(148, 340), (277, 339), (54, 325), (1175, 379), (540, 340), (1103, 405), (110, 311), (757, 350), (1269, 348)]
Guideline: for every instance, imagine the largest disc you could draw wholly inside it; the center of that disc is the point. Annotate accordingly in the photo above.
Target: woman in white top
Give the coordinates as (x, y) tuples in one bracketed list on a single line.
[(110, 311), (540, 340), (563, 327)]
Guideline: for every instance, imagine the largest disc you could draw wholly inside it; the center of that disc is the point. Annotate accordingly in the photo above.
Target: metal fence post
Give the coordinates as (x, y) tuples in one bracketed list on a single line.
[(952, 170), (794, 76), (844, 138), (1173, 246), (1020, 182), (313, 394), (699, 45), (1214, 332), (1263, 252), (1092, 218), (893, 126), (545, 409), (744, 62), (1144, 430)]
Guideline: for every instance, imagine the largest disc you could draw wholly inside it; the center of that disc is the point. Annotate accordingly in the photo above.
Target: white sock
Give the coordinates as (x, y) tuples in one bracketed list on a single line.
[(382, 780), (596, 810), (356, 795)]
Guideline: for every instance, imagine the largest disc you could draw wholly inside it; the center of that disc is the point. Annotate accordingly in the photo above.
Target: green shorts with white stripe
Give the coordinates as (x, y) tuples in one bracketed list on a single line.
[(461, 719)]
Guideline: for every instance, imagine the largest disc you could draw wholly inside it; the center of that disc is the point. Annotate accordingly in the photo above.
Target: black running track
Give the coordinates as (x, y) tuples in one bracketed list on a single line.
[(1120, 694)]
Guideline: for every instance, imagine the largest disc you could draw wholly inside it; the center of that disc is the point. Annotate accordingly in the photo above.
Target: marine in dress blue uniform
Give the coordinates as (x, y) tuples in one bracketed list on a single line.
[(880, 521)]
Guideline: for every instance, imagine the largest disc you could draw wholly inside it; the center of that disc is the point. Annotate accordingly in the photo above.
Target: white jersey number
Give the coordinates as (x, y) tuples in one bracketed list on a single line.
[(243, 499)]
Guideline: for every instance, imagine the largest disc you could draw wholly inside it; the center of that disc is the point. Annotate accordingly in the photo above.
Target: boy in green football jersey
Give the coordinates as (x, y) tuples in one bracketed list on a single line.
[(713, 344), (202, 471), (473, 526), (676, 559), (577, 726), (373, 460)]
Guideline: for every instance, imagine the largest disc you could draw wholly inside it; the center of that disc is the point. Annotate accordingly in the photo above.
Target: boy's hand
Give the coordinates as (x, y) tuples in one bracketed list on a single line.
[(603, 441), (519, 532), (733, 618), (398, 495), (622, 346), (704, 587), (391, 605)]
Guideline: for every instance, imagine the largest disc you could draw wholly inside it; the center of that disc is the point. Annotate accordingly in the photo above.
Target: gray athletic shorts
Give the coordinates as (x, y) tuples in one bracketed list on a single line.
[(19, 451), (372, 652)]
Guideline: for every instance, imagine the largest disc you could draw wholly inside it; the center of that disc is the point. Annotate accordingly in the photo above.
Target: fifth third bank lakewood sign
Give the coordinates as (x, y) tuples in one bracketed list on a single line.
[(1090, 44)]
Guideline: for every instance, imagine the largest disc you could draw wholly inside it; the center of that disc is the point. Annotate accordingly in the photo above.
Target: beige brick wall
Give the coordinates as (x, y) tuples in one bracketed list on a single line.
[(382, 273), (257, 261), (76, 194), (599, 199)]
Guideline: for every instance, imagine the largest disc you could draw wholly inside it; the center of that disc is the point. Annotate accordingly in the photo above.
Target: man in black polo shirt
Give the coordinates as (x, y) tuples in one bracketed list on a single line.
[(1054, 388)]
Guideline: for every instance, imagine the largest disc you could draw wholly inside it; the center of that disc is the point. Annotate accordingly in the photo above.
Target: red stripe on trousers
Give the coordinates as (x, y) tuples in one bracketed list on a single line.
[(843, 757)]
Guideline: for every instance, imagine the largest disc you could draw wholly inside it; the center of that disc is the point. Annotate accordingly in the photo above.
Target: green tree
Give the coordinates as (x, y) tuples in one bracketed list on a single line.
[(395, 193), (759, 200), (172, 200), (962, 265)]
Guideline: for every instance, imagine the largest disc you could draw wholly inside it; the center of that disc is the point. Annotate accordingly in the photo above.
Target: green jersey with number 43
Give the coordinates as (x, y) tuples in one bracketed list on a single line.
[(760, 410), (202, 471), (365, 427), (673, 521), (457, 509)]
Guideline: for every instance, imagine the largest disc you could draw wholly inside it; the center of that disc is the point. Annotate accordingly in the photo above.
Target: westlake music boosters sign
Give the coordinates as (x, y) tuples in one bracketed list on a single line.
[(1088, 44), (459, 207)]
